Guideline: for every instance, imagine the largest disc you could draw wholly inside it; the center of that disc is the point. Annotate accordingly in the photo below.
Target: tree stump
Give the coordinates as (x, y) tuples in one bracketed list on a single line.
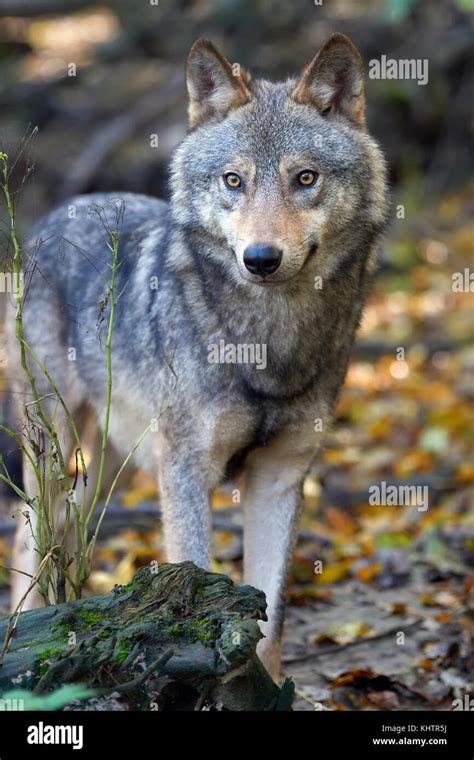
[(175, 638)]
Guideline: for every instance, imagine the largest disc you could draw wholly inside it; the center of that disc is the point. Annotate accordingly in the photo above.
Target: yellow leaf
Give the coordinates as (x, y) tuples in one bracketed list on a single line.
[(414, 461), (136, 495), (369, 572), (335, 572), (465, 473), (101, 582)]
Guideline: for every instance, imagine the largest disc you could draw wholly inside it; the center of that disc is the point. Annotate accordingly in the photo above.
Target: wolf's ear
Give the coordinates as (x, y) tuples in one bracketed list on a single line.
[(334, 81), (214, 85)]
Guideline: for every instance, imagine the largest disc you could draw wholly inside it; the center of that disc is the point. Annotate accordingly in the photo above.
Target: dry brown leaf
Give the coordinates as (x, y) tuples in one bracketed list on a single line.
[(340, 521)]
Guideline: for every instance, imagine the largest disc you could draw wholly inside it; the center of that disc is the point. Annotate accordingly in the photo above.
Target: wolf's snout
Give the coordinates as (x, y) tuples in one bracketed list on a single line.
[(262, 259)]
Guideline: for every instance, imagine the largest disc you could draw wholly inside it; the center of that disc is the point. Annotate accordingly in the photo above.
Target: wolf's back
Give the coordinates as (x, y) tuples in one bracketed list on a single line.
[(72, 240), (67, 274)]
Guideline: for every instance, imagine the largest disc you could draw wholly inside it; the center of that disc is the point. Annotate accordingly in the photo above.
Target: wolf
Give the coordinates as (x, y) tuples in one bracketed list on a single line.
[(278, 204)]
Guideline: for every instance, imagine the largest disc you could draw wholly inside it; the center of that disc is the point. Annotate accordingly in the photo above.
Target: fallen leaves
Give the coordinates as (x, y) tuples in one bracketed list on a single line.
[(369, 572), (341, 522), (441, 599), (398, 608), (334, 572), (384, 700), (345, 633)]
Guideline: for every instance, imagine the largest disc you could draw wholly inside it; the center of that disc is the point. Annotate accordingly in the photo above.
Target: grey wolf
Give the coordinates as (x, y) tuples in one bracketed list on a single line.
[(271, 237)]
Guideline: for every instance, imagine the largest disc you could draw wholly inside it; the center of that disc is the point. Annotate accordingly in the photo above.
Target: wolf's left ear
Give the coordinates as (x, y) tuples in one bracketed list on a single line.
[(334, 81), (214, 85)]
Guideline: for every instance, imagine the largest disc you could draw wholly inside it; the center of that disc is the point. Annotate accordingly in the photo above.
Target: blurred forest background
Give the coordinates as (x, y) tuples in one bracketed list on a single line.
[(403, 417)]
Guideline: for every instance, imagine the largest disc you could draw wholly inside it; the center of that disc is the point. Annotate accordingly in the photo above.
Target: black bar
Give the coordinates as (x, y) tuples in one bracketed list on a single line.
[(317, 735)]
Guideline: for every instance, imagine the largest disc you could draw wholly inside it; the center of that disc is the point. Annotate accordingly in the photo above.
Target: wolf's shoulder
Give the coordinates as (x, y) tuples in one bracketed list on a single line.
[(84, 214), (70, 244)]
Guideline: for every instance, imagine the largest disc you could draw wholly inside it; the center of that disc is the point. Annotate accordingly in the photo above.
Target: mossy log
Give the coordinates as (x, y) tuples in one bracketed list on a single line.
[(175, 637)]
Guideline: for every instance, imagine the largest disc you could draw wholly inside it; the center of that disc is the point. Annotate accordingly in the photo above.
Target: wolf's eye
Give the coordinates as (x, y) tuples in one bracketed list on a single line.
[(306, 178), (232, 180)]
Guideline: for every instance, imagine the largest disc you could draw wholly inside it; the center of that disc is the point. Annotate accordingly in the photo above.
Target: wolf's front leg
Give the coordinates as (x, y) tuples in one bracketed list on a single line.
[(184, 498), (273, 499)]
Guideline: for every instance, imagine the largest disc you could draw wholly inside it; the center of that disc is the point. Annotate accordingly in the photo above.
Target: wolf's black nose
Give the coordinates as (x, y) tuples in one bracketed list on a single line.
[(262, 259)]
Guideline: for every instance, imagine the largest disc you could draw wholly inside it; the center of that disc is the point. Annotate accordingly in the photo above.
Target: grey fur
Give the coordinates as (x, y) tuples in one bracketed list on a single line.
[(222, 414)]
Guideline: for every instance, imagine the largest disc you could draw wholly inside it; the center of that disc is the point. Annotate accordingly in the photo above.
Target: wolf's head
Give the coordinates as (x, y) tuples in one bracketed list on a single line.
[(282, 177)]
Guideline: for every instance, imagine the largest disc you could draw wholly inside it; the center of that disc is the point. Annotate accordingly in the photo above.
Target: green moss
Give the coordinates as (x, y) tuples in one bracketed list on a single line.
[(89, 617), (174, 631), (80, 620), (104, 633), (62, 638), (131, 586), (124, 650), (196, 630), (45, 656), (62, 628), (33, 643)]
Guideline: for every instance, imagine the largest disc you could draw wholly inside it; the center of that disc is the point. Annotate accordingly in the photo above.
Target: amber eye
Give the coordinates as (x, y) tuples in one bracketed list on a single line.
[(232, 180), (306, 178)]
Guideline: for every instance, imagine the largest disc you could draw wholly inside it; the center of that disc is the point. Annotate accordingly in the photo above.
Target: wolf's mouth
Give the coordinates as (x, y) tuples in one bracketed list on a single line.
[(273, 279), (313, 249)]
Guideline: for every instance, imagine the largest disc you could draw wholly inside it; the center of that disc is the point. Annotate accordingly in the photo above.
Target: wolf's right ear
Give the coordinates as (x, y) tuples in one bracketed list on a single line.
[(214, 85), (333, 81)]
